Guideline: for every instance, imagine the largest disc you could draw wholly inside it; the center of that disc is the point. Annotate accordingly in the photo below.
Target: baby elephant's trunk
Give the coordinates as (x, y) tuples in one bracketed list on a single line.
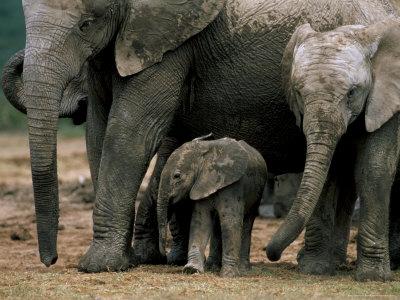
[(162, 218)]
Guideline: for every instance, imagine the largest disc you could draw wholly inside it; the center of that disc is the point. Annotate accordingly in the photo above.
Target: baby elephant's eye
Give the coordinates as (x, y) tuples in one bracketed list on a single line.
[(177, 175), (352, 92)]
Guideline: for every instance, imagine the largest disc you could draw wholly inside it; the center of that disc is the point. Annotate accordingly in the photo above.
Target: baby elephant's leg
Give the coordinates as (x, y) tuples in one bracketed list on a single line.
[(200, 229), (214, 259), (246, 241), (230, 210)]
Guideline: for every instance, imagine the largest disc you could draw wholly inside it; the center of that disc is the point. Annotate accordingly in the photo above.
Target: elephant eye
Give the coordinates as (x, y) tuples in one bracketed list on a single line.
[(351, 93), (177, 175), (85, 24)]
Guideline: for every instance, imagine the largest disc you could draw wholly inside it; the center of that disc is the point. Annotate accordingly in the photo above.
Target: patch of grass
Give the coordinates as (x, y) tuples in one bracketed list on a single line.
[(163, 282)]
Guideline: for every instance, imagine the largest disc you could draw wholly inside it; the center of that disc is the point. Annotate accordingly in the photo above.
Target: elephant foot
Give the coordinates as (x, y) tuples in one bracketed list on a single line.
[(340, 258), (177, 257), (103, 257), (312, 263), (229, 271), (244, 266), (193, 268), (374, 274), (147, 253), (378, 271), (213, 264)]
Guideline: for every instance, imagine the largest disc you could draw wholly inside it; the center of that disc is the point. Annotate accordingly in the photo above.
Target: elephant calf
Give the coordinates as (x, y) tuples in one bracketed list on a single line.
[(226, 179)]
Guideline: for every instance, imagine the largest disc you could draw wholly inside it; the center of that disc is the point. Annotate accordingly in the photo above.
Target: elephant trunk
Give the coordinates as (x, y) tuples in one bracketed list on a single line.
[(162, 220), (323, 129), (43, 87), (12, 81)]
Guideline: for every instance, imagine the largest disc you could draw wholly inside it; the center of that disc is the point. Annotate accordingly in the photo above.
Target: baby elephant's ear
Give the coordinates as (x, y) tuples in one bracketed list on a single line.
[(224, 163), (384, 99), (298, 37)]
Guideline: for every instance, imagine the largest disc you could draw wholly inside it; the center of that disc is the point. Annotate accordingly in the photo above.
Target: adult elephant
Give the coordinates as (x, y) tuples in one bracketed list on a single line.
[(156, 68)]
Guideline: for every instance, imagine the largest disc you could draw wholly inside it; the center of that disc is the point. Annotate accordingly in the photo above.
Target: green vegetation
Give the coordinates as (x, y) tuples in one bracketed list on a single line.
[(12, 39)]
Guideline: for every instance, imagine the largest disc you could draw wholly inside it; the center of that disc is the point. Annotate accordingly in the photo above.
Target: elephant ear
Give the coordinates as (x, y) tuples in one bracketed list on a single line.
[(154, 27), (384, 99), (298, 37), (224, 163), (74, 100)]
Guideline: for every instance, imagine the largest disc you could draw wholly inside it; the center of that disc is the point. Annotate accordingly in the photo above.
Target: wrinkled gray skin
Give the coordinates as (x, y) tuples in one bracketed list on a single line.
[(214, 80), (225, 177), (331, 78)]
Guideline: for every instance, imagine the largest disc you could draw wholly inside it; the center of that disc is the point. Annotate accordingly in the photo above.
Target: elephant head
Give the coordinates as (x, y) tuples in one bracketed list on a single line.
[(74, 100), (198, 169), (61, 36), (331, 78)]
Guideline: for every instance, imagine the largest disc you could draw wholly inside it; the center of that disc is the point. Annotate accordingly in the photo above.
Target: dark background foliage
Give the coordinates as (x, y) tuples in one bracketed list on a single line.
[(12, 39)]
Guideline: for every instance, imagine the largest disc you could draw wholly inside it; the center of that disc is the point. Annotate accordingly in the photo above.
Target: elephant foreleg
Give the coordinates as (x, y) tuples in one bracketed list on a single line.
[(179, 226), (141, 115), (200, 230), (327, 234), (316, 255), (99, 104), (375, 172)]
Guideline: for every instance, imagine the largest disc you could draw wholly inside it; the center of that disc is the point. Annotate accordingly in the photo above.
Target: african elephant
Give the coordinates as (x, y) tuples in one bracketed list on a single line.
[(159, 68), (332, 79), (74, 99), (224, 176)]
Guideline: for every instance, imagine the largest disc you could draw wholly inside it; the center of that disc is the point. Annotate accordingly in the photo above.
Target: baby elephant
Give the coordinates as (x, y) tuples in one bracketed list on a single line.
[(225, 179)]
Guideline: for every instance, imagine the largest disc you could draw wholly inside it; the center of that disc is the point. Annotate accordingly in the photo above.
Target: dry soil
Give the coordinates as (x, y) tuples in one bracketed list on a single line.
[(23, 276)]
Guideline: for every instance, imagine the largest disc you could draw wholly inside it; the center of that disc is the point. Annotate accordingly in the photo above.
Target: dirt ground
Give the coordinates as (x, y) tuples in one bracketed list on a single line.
[(23, 276)]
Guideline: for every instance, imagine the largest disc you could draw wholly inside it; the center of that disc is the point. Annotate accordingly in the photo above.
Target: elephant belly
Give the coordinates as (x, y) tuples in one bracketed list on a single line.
[(266, 125), (243, 99), (237, 92)]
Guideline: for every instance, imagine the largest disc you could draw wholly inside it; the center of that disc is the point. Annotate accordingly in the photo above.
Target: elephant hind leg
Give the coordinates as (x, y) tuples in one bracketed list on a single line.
[(248, 222), (214, 259), (146, 229)]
